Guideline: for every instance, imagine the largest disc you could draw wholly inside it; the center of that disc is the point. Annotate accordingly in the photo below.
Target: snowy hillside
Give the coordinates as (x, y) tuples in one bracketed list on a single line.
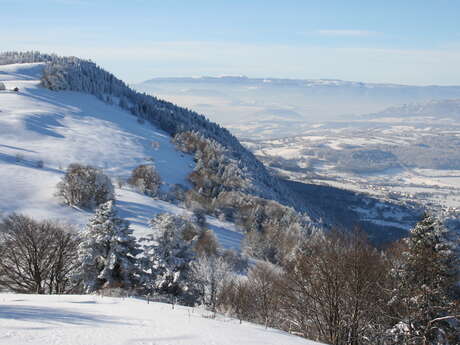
[(74, 74), (54, 129), (85, 320)]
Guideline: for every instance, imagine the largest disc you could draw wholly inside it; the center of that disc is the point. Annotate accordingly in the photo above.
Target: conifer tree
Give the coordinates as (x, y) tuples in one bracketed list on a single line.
[(426, 290), (108, 251), (168, 252)]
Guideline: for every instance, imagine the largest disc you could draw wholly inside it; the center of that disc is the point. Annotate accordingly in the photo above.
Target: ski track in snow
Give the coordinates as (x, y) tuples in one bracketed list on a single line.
[(60, 128)]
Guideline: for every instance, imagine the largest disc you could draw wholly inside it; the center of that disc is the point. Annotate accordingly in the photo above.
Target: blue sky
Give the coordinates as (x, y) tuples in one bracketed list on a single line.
[(405, 41)]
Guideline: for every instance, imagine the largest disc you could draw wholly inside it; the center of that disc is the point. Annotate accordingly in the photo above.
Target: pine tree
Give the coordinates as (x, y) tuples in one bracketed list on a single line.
[(168, 253), (108, 251), (426, 286)]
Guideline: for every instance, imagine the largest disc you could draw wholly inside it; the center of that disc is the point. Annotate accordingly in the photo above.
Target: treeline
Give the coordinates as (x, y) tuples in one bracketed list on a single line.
[(272, 230), (50, 258), (221, 189), (335, 288), (340, 290)]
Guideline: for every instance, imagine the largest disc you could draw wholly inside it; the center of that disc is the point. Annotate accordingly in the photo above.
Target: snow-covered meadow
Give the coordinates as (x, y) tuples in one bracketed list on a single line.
[(91, 320)]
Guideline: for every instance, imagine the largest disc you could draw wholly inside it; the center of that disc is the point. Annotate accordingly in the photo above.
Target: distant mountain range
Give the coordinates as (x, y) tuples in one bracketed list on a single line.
[(324, 85), (266, 108), (448, 108), (288, 82)]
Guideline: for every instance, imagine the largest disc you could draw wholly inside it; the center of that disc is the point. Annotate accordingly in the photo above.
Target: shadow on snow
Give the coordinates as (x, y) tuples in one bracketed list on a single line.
[(52, 315)]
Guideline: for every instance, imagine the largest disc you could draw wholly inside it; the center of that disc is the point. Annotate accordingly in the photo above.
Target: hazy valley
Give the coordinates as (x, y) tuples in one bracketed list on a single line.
[(396, 143)]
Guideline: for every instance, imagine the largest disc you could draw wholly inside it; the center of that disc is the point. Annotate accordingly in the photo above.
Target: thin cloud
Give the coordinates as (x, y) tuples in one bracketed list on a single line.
[(73, 2), (348, 33), (138, 61)]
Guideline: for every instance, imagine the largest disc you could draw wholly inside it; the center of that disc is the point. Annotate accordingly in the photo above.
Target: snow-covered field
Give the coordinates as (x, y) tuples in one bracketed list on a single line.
[(95, 320), (39, 126)]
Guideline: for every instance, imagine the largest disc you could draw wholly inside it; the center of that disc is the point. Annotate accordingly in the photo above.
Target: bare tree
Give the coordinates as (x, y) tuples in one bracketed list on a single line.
[(264, 279), (332, 290), (206, 243), (236, 298), (61, 278), (36, 257)]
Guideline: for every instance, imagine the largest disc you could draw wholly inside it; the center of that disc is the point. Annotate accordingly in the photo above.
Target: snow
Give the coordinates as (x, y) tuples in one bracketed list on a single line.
[(24, 71), (65, 127), (285, 152), (139, 209), (90, 320)]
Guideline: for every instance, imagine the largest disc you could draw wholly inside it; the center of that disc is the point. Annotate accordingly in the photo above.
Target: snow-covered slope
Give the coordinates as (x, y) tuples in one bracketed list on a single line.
[(87, 320), (59, 128)]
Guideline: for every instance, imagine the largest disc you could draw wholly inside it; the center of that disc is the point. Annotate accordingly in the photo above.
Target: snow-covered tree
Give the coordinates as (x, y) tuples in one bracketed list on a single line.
[(199, 217), (108, 251), (146, 179), (85, 186), (209, 275), (424, 292), (168, 252)]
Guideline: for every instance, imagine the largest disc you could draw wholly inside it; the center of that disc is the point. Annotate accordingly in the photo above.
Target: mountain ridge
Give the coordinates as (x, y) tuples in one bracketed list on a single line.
[(291, 81), (432, 108)]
